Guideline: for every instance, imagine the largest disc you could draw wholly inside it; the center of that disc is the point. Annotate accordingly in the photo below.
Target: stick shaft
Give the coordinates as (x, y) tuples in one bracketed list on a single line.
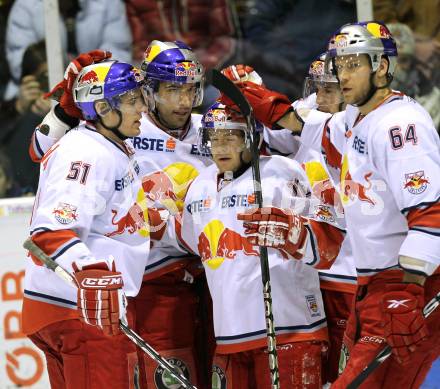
[(227, 87)]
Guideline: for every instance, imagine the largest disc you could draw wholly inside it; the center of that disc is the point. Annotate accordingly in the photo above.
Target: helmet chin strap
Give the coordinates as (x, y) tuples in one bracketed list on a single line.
[(115, 129)]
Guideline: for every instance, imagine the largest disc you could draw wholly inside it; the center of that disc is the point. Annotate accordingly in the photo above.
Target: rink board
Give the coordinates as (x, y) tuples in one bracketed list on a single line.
[(22, 364)]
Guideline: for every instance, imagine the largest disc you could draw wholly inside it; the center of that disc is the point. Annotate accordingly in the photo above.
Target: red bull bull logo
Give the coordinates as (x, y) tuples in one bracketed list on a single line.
[(89, 78), (134, 220), (416, 182), (352, 190), (185, 69), (65, 213), (339, 41), (215, 115), (218, 243), (323, 212), (317, 68)]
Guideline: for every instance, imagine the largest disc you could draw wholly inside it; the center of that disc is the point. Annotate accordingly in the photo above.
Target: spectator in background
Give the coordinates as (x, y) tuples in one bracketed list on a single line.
[(8, 187), (282, 37), (85, 25), (206, 26), (5, 6), (31, 107), (408, 78), (423, 17)]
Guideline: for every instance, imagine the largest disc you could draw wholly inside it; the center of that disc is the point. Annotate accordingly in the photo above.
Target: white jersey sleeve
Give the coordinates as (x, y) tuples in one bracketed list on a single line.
[(406, 150), (73, 190)]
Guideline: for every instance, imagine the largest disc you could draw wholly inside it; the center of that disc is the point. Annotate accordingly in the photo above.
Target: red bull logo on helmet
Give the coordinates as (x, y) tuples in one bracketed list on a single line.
[(339, 41), (185, 69), (215, 115), (89, 78), (416, 182), (218, 243), (317, 68)]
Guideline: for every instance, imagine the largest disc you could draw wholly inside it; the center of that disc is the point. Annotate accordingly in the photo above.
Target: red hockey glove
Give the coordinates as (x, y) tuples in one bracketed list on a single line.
[(62, 92), (241, 73), (268, 106), (101, 300), (405, 326), (277, 228)]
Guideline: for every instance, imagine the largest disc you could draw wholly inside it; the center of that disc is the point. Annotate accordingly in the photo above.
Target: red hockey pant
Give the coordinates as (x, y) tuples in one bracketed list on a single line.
[(364, 338), (299, 368), (169, 317), (79, 356), (337, 307)]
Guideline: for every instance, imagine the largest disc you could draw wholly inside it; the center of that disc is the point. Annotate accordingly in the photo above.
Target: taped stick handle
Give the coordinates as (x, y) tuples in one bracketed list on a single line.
[(30, 245)]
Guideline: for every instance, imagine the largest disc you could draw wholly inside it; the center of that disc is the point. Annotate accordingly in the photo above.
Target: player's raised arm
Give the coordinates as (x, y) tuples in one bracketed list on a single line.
[(65, 115)]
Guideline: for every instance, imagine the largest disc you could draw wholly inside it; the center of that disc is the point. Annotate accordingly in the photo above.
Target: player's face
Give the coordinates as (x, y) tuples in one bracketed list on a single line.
[(174, 103), (354, 72), (226, 148), (328, 97), (131, 108)]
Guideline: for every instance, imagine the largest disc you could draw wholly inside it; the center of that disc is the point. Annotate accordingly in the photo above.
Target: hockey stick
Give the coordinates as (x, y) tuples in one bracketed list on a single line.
[(386, 351), (133, 336), (227, 87)]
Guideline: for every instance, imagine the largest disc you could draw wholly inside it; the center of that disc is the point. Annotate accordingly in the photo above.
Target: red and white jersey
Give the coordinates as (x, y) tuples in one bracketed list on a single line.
[(210, 229), (89, 205), (167, 166), (342, 275), (388, 164)]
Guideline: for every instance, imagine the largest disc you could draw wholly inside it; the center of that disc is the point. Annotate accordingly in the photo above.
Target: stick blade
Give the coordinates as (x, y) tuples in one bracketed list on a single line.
[(227, 87)]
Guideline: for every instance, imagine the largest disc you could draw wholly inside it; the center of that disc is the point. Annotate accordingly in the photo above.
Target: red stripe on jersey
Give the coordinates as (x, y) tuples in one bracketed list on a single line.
[(424, 217), (51, 241), (329, 240), (333, 156), (46, 156), (318, 335), (38, 314), (32, 153)]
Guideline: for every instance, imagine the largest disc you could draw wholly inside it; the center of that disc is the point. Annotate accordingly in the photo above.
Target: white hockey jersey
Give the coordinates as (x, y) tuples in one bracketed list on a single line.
[(389, 179), (342, 275), (89, 204), (232, 266), (167, 166)]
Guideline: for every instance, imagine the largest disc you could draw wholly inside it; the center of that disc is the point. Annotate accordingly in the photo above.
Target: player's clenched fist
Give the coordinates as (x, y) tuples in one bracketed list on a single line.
[(241, 73), (101, 300), (277, 228), (62, 92), (269, 106), (405, 326)]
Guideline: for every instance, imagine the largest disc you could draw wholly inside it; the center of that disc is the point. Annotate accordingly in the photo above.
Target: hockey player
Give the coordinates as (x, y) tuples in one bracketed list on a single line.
[(89, 188), (211, 228), (166, 149), (338, 284), (387, 152)]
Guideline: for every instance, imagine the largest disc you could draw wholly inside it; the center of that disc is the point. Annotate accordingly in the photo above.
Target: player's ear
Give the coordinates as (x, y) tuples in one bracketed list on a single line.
[(102, 107), (382, 70)]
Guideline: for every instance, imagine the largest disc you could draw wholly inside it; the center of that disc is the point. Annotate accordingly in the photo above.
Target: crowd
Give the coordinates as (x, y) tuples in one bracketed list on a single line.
[(148, 196), (279, 39)]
